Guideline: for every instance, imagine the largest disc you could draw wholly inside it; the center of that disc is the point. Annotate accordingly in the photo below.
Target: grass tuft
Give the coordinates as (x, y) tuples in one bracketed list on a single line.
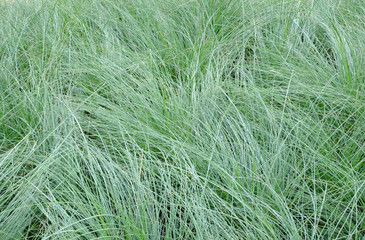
[(182, 119)]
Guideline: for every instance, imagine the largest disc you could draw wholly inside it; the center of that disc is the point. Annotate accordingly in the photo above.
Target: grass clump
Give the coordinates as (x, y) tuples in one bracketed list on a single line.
[(182, 119)]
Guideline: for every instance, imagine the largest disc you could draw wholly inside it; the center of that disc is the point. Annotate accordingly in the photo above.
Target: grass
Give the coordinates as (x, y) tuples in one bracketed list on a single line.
[(207, 119)]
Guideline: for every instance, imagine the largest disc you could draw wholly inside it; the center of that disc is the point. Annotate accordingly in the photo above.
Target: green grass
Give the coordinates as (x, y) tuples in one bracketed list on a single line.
[(208, 119)]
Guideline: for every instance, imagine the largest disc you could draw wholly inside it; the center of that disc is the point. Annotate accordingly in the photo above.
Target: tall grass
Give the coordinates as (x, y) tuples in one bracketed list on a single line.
[(209, 119)]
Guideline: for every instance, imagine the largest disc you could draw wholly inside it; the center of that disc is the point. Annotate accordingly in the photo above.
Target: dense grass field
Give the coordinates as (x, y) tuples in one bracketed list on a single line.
[(178, 119)]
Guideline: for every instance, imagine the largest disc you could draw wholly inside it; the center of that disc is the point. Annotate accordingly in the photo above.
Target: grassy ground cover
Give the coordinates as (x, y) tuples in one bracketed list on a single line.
[(208, 119)]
